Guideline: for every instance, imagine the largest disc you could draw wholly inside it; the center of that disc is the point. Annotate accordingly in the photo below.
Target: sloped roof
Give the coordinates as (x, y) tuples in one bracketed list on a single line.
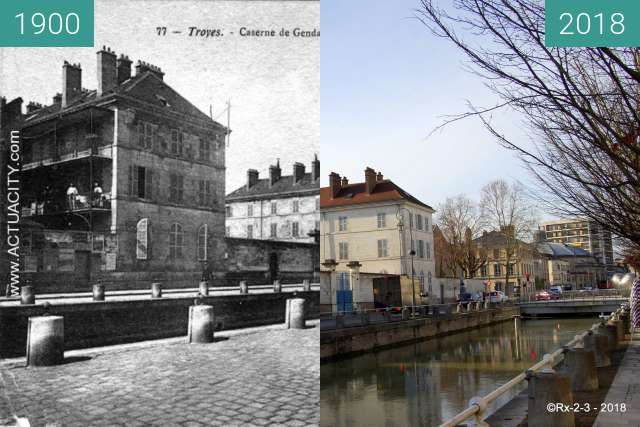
[(494, 238), (355, 194), (561, 250), (281, 188)]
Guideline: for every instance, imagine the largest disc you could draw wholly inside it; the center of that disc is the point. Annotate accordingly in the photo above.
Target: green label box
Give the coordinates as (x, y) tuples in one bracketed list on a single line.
[(46, 23)]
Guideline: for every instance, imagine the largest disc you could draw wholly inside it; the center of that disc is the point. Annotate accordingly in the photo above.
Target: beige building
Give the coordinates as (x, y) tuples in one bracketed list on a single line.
[(284, 208), (380, 226)]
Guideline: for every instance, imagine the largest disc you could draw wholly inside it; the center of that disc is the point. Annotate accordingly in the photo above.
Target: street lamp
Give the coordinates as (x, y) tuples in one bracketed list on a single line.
[(331, 265), (412, 253)]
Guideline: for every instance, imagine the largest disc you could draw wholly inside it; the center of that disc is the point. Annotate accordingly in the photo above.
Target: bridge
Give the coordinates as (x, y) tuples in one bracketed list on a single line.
[(573, 304)]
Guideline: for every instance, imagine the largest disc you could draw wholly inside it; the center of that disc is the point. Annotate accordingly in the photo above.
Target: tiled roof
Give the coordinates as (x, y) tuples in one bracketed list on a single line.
[(355, 194), (561, 250), (282, 187)]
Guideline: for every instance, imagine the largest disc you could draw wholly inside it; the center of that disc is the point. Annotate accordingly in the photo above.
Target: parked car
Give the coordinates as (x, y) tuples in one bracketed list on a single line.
[(543, 296), (556, 292), (497, 296)]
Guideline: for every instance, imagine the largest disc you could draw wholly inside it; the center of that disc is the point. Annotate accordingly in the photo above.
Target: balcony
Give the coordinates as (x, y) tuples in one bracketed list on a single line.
[(102, 151), (80, 204)]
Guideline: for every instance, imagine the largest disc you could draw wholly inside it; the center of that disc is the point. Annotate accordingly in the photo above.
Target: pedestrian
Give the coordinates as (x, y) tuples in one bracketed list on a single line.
[(97, 194), (72, 196)]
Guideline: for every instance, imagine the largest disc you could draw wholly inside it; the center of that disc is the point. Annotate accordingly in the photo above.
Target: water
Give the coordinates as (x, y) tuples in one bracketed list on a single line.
[(426, 383)]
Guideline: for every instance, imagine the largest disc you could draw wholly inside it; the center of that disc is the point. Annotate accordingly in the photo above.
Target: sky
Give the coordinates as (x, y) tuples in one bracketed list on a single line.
[(273, 83), (387, 82)]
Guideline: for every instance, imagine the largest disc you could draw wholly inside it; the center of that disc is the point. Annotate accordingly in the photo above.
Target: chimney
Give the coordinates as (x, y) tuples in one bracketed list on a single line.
[(298, 172), (379, 177), (107, 79), (252, 178), (71, 83), (345, 181), (143, 67), (57, 99), (315, 168), (123, 69), (370, 180), (32, 107), (334, 184), (274, 173)]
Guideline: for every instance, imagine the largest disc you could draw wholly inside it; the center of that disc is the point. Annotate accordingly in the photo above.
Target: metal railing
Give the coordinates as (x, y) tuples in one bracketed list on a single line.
[(581, 295), (478, 405)]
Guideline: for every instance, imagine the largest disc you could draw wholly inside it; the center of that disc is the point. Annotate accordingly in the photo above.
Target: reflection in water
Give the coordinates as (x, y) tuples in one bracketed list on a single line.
[(425, 383)]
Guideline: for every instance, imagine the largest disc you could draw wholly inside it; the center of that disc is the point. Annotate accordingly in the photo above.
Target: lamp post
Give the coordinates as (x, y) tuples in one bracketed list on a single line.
[(412, 253), (331, 265)]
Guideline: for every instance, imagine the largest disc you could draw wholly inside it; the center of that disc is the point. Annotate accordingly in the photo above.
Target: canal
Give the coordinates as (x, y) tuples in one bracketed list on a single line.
[(428, 382)]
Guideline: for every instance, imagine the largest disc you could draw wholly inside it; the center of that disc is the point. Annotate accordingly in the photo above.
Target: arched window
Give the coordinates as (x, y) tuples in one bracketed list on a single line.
[(176, 241), (203, 240), (142, 239)]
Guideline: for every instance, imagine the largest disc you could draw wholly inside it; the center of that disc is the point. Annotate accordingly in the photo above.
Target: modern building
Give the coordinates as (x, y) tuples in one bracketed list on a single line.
[(280, 207), (122, 182), (583, 234), (376, 227), (569, 265)]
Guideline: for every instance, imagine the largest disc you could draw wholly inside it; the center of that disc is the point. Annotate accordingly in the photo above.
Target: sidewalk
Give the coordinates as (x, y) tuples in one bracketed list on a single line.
[(624, 389), (253, 377)]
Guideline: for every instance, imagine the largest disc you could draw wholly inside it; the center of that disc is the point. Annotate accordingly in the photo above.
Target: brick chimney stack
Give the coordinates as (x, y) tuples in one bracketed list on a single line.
[(274, 173), (334, 184), (252, 178), (57, 99), (71, 83), (143, 67), (315, 168), (379, 177), (370, 180), (123, 65), (107, 79), (298, 172), (344, 182)]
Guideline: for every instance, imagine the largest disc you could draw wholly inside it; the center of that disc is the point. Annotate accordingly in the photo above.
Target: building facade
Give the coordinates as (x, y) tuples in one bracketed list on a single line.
[(378, 227), (122, 182), (582, 234), (280, 207), (571, 266)]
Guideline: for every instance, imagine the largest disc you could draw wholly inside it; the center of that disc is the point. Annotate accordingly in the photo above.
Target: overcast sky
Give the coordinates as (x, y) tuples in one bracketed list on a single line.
[(273, 83), (386, 83)]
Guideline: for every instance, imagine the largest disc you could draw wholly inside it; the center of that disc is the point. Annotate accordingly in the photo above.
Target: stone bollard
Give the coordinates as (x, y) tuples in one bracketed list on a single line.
[(203, 288), (406, 313), (27, 295), (599, 344), (612, 332), (295, 314), (156, 290), (619, 329), (98, 292), (459, 308), (201, 324), (626, 322), (244, 288), (306, 285), (45, 341), (277, 287), (548, 386), (486, 304), (580, 364)]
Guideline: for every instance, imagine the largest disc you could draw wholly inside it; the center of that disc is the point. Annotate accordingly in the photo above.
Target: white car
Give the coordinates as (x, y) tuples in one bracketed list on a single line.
[(497, 296)]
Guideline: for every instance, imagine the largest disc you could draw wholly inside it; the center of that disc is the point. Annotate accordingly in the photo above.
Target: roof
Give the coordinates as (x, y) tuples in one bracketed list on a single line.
[(356, 194), (281, 188), (146, 87), (561, 250), (494, 238)]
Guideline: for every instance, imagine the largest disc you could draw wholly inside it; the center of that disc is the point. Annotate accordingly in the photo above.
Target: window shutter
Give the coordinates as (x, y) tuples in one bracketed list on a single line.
[(130, 181), (148, 184)]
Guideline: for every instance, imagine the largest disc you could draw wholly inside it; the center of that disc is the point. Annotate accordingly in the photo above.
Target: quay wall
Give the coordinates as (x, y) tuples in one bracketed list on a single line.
[(94, 324), (356, 340)]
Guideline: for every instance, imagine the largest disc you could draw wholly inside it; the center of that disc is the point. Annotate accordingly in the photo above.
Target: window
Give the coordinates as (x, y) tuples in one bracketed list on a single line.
[(428, 250), (229, 211), (176, 188), (410, 220), (176, 241), (483, 270), (419, 221), (204, 193), (510, 269), (295, 229), (382, 220), (421, 248), (343, 250), (343, 281), (205, 150), (382, 248), (317, 203), (142, 238), (274, 208), (296, 206), (426, 223), (250, 210), (421, 279), (274, 230), (145, 134), (228, 231), (249, 231), (202, 239), (497, 270), (140, 182), (342, 223), (496, 253), (177, 142)]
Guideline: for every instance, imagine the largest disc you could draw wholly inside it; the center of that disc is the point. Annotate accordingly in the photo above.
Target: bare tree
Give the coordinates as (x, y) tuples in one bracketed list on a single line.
[(581, 105), (506, 210)]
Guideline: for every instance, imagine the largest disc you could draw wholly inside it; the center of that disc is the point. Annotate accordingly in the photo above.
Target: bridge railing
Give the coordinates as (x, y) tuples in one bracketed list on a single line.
[(478, 405), (582, 295)]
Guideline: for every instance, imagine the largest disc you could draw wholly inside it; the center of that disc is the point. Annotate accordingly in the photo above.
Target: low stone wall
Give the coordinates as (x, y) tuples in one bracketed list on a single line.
[(93, 324), (350, 341)]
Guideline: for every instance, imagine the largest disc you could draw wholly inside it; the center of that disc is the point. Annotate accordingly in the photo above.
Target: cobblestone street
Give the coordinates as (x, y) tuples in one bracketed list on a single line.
[(266, 376)]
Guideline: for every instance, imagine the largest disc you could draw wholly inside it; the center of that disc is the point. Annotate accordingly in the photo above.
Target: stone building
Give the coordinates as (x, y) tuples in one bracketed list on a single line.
[(280, 207), (569, 265), (124, 183)]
